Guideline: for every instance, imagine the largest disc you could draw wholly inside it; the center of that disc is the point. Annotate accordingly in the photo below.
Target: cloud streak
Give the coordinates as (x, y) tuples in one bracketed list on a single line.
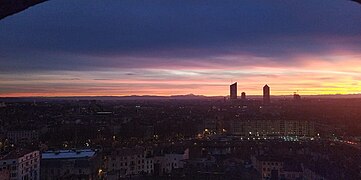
[(179, 47)]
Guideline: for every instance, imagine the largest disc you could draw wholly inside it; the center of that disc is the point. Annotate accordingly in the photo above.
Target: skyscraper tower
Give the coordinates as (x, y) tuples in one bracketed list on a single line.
[(243, 96), (233, 91), (266, 94)]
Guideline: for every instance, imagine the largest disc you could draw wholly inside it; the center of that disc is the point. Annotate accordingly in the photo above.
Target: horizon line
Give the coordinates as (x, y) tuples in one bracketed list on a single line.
[(189, 95)]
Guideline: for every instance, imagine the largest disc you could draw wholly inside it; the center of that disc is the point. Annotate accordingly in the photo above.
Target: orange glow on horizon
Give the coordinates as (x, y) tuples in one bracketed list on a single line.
[(336, 73)]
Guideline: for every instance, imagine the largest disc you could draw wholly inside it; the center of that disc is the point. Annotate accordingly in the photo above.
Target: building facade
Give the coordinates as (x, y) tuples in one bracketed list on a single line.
[(168, 162), (273, 167), (22, 136), (127, 162), (20, 165), (272, 128)]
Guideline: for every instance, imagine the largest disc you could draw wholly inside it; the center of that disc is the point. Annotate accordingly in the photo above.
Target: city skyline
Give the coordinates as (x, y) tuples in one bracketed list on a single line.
[(180, 89), (94, 48)]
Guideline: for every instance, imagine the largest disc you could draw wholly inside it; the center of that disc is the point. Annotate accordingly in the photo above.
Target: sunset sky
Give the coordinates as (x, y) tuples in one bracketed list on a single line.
[(162, 47)]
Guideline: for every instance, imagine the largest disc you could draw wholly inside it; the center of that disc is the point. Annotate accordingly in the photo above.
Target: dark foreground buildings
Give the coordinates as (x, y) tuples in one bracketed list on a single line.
[(181, 139), (70, 164), (20, 164)]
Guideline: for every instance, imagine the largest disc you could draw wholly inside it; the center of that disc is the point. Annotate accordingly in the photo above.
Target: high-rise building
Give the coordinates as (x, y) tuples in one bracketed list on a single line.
[(243, 96), (233, 91), (266, 94)]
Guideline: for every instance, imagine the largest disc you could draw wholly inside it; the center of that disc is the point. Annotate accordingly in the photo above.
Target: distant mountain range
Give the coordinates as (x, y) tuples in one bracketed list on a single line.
[(132, 97), (173, 97)]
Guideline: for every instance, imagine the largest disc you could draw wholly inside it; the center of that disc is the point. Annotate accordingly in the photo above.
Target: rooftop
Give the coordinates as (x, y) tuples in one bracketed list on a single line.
[(68, 154), (270, 158), (128, 151), (15, 154)]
